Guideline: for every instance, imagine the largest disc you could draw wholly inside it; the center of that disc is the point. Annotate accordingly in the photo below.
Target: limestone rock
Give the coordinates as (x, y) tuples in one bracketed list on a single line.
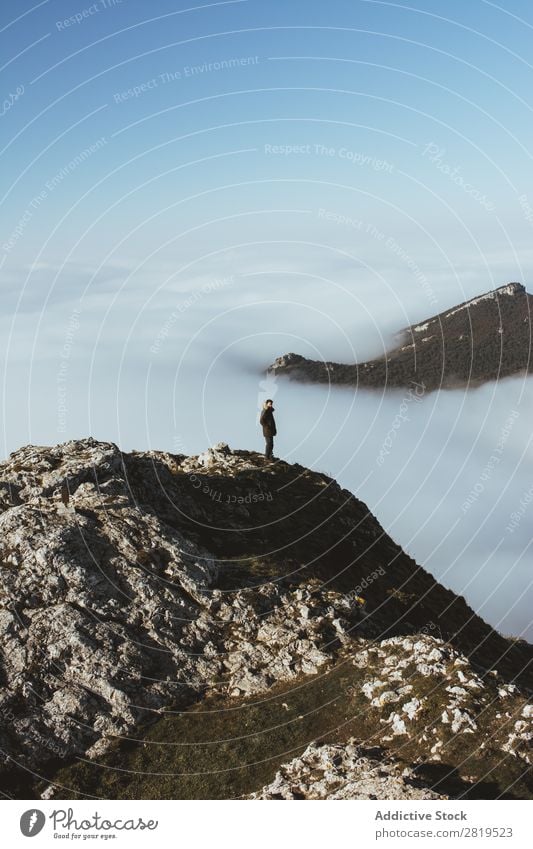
[(115, 607), (344, 772)]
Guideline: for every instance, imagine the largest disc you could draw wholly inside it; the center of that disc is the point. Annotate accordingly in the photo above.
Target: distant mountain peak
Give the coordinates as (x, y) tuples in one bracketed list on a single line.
[(482, 339), (506, 289)]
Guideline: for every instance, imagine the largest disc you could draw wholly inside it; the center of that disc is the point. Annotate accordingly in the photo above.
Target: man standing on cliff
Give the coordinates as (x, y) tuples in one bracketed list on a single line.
[(269, 427)]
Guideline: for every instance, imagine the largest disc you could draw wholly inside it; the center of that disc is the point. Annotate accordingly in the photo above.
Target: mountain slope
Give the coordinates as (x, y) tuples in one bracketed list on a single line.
[(223, 594), (485, 338)]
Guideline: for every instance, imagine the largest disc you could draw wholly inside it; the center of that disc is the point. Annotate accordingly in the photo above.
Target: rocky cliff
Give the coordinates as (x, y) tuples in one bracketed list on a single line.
[(483, 339), (209, 626)]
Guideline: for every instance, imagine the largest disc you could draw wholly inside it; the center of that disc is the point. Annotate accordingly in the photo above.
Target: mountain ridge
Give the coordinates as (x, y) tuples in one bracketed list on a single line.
[(487, 337), (142, 591)]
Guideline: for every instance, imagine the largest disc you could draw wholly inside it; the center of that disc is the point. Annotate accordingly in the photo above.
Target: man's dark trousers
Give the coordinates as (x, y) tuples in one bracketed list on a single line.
[(269, 447)]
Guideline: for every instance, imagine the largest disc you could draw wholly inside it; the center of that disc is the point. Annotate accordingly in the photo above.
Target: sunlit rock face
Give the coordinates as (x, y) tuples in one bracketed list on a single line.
[(137, 582)]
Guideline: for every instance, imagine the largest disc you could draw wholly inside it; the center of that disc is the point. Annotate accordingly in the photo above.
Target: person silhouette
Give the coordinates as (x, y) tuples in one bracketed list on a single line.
[(269, 427)]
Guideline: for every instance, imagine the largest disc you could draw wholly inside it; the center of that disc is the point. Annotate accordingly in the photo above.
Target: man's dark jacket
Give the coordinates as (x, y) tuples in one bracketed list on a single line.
[(268, 423)]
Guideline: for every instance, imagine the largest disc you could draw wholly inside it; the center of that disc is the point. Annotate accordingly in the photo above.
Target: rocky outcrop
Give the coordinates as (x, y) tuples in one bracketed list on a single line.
[(410, 679), (136, 583), (426, 698), (482, 339), (345, 772), (109, 615), (425, 695)]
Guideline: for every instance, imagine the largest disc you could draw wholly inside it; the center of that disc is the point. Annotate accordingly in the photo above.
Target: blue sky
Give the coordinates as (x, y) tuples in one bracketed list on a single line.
[(188, 192), (381, 80)]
